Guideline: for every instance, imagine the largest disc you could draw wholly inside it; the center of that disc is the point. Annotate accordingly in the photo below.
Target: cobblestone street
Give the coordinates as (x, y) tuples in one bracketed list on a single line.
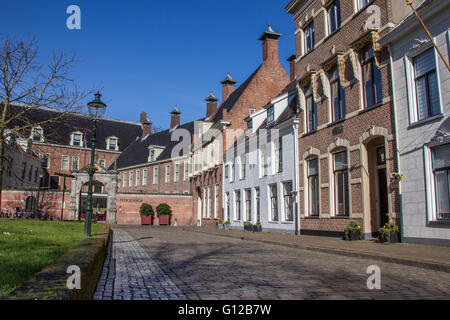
[(170, 263)]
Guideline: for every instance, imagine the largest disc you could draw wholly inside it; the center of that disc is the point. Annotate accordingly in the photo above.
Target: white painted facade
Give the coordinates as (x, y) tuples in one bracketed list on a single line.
[(245, 190), (416, 136)]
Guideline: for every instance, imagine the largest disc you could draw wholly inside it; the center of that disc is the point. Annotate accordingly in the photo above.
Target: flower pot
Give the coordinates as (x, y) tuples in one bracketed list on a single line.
[(164, 220), (392, 237), (219, 226), (257, 228), (226, 227), (248, 227), (146, 220), (353, 235)]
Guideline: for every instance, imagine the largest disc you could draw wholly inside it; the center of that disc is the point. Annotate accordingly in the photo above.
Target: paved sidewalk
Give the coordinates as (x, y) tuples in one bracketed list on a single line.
[(430, 257), (129, 273)]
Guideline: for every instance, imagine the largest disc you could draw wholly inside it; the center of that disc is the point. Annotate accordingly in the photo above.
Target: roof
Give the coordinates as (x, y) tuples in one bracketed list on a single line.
[(59, 132), (137, 152), (233, 97)]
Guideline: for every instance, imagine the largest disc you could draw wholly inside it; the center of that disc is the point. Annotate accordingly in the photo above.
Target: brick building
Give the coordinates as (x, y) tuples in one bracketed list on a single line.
[(346, 137), (223, 124)]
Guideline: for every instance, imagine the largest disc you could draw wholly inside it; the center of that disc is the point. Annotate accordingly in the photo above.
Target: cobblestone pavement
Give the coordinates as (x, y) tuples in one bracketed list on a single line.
[(205, 266), (129, 273)]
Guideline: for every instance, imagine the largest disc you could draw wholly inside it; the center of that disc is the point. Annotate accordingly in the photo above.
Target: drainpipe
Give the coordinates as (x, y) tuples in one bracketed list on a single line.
[(397, 155), (296, 178)]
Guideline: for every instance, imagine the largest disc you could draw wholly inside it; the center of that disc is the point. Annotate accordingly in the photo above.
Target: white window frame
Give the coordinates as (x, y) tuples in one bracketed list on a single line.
[(144, 177), (167, 178), (155, 175), (41, 134), (411, 83), (130, 179), (78, 163), (108, 141), (216, 200), (72, 140), (124, 179), (65, 168), (176, 173), (137, 181)]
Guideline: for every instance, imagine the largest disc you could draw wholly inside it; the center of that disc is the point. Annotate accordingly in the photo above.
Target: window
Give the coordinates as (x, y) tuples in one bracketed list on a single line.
[(30, 173), (313, 187), (204, 201), (258, 205), (263, 155), (274, 202), (144, 177), (237, 196), (102, 163), (65, 163), (10, 165), (113, 143), (242, 165), (311, 109), (309, 38), (138, 178), (248, 205), (177, 173), (334, 16), (279, 155), (288, 203), (337, 97), (130, 179), (363, 3), (46, 161), (77, 139), (37, 134), (371, 77), (227, 204), (75, 162), (124, 180), (155, 175), (270, 115), (216, 201), (54, 182), (341, 193), (233, 172), (226, 171), (152, 155), (209, 207), (251, 110), (167, 174), (426, 85), (186, 170), (36, 174), (441, 170), (250, 124)]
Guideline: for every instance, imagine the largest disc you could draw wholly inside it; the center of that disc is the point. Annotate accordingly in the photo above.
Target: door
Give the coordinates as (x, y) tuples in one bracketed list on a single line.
[(383, 194)]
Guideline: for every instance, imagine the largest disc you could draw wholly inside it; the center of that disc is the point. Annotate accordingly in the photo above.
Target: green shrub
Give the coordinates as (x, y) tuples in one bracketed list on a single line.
[(163, 209), (146, 210)]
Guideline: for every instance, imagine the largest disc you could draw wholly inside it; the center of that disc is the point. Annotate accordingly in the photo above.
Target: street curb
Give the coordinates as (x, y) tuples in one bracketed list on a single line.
[(349, 253)]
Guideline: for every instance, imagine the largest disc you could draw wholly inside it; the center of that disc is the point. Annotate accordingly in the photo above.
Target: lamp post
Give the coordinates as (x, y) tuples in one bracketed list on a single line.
[(96, 111), (36, 208)]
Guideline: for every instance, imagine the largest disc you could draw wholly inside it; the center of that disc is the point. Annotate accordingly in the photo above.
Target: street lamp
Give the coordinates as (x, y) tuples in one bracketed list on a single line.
[(96, 111)]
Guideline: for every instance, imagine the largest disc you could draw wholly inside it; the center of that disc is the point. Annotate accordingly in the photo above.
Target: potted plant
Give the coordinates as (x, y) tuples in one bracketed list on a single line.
[(219, 224), (164, 213), (389, 233), (248, 226), (257, 227), (226, 225), (146, 212), (352, 231)]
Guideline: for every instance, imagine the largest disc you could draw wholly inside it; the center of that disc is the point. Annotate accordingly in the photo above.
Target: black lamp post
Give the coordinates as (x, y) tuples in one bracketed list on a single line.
[(96, 111)]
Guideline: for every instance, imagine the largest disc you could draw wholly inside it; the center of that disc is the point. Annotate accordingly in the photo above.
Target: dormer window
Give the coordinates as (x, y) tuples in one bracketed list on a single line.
[(270, 115), (154, 152), (250, 124), (152, 155), (77, 139), (113, 143), (37, 134)]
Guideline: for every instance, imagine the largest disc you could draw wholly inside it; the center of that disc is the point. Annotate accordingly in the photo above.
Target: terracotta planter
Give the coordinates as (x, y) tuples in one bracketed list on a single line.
[(164, 220), (146, 220)]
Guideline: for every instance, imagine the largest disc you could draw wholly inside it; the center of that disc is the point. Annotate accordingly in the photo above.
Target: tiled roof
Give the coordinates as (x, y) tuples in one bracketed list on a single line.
[(137, 152), (59, 132)]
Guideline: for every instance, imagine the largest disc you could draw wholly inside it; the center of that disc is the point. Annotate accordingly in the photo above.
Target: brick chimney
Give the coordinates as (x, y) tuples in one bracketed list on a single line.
[(270, 45), (228, 87), (146, 125), (175, 117), (291, 61), (211, 105)]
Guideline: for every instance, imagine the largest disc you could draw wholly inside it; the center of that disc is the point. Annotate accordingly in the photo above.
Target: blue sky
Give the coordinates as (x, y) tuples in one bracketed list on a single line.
[(151, 55)]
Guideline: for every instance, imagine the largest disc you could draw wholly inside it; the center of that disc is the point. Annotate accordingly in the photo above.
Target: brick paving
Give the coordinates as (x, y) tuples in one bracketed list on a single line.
[(129, 273), (208, 266)]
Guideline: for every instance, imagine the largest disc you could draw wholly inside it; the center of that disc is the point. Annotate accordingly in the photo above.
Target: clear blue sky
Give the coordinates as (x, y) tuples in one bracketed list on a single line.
[(150, 55)]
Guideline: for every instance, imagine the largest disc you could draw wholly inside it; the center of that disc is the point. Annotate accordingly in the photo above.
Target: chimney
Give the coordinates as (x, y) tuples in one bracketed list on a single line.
[(291, 60), (175, 117), (228, 87), (211, 105), (146, 125), (270, 45)]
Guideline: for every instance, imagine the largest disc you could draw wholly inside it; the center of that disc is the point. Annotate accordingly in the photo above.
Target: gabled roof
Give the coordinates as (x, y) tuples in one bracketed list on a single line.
[(137, 152), (233, 98), (59, 132)]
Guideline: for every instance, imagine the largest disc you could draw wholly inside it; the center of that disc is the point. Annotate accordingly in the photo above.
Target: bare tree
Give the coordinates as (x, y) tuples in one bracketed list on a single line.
[(27, 85)]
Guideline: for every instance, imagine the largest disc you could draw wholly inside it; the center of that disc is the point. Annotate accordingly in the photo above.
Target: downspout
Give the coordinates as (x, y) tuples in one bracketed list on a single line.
[(397, 153), (296, 178)]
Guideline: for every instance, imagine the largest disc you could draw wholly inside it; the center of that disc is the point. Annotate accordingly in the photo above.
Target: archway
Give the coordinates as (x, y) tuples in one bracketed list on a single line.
[(99, 201)]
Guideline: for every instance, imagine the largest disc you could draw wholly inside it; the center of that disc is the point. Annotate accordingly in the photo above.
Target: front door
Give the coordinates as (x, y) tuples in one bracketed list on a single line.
[(383, 194)]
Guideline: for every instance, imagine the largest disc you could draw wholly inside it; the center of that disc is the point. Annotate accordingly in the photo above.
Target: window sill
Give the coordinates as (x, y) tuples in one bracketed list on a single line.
[(335, 122), (367, 109), (425, 121), (309, 133), (312, 217), (287, 222), (439, 223), (340, 217)]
